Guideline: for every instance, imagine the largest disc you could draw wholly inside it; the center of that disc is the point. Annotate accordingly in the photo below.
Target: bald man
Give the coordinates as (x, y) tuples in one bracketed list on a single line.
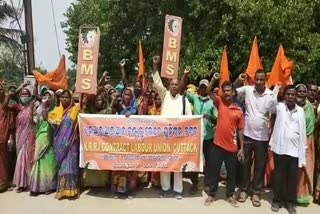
[(172, 105)]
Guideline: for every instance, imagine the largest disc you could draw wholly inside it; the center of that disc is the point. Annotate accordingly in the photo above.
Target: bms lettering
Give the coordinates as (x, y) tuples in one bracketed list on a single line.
[(87, 69), (171, 55)]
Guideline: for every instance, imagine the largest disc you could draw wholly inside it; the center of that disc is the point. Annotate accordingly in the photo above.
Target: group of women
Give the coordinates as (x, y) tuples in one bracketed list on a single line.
[(47, 141)]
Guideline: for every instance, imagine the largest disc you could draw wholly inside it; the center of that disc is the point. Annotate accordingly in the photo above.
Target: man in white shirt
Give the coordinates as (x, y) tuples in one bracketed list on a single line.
[(259, 102), (173, 104), (287, 142)]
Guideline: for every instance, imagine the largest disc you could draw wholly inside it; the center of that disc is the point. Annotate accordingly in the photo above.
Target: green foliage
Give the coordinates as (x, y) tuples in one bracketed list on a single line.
[(11, 53), (207, 27), (11, 65), (8, 36), (71, 73)]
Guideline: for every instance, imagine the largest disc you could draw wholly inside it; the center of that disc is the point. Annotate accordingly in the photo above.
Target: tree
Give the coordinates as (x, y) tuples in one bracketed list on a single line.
[(11, 51), (207, 27), (71, 75), (8, 36), (11, 65)]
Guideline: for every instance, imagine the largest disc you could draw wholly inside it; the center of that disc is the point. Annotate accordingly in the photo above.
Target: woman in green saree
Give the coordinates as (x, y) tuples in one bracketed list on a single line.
[(43, 173)]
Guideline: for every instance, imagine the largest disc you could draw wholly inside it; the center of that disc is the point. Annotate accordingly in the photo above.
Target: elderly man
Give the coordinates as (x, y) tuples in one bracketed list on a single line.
[(288, 143), (173, 104)]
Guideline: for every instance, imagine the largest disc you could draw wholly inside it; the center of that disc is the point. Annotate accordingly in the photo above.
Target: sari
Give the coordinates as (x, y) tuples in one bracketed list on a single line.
[(305, 174), (66, 148), (155, 176), (25, 144), (317, 156), (43, 173), (4, 156), (317, 172), (97, 178), (138, 103), (11, 142), (124, 182)]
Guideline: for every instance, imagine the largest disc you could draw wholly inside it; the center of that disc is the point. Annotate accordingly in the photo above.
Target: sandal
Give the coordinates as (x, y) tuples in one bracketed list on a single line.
[(49, 192), (275, 207), (242, 197), (209, 201), (256, 201), (34, 194), (20, 190), (232, 201)]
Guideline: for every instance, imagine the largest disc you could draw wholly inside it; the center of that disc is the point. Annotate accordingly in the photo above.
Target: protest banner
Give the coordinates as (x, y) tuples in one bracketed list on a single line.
[(88, 52), (141, 143), (171, 47)]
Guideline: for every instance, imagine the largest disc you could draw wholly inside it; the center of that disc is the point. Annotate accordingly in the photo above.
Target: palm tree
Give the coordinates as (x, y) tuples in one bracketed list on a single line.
[(11, 50), (8, 36)]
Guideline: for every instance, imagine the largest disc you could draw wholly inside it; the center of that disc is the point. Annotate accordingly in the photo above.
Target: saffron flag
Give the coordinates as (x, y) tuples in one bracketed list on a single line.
[(141, 66), (141, 61), (224, 69), (254, 63), (56, 79), (281, 70)]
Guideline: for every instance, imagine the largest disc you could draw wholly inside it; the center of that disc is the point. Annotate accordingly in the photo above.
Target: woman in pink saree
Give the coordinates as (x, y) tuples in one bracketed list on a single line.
[(25, 140)]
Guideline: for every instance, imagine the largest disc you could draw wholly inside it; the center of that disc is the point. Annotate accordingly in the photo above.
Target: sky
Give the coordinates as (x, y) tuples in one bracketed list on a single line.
[(46, 50)]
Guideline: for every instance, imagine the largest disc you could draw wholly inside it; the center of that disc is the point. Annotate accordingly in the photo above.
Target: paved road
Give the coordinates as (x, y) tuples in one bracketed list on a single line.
[(145, 202)]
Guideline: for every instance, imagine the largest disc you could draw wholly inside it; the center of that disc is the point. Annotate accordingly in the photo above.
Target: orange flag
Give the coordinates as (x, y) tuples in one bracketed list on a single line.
[(141, 61), (281, 70), (224, 69), (254, 63), (141, 65), (56, 79)]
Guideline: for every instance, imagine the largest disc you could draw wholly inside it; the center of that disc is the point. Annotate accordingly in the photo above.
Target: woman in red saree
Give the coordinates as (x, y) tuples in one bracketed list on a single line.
[(4, 127)]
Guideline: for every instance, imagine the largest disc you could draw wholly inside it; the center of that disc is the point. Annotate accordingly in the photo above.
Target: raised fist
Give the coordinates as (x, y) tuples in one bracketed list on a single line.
[(105, 73), (187, 70), (156, 59), (216, 76), (122, 62), (45, 99), (243, 77), (26, 84)]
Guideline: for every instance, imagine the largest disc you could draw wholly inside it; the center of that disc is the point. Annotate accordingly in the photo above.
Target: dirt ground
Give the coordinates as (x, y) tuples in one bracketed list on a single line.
[(146, 201)]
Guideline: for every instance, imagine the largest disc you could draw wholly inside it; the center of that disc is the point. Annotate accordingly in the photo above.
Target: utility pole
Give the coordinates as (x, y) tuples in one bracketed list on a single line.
[(29, 36)]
